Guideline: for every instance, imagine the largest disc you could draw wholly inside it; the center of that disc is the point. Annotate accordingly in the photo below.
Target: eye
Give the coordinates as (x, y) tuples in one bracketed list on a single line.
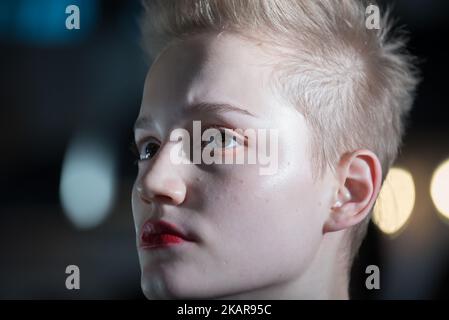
[(147, 150), (223, 139)]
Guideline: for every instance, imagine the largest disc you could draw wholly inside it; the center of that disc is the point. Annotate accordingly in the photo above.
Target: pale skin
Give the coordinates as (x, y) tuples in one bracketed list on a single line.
[(281, 236)]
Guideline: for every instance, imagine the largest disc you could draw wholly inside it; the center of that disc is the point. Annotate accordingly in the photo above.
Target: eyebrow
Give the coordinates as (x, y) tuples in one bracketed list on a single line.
[(202, 107), (218, 108)]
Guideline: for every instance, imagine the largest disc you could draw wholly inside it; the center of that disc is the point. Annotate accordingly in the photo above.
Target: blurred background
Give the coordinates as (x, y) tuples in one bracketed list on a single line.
[(68, 101)]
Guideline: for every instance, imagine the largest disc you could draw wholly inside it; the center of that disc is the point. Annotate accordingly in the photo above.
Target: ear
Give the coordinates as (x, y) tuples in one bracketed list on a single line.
[(359, 175)]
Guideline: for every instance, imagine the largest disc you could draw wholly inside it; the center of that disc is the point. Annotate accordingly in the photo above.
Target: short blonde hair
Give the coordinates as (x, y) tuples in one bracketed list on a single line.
[(354, 86)]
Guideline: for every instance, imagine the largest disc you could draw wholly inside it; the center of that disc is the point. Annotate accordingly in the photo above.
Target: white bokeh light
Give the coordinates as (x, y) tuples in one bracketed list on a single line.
[(396, 201), (439, 189), (88, 181)]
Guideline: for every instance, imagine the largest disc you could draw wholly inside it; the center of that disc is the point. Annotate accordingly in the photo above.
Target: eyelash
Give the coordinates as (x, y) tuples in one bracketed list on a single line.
[(224, 130)]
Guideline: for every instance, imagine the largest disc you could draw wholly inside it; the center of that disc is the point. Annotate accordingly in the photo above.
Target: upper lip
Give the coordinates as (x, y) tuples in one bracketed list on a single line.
[(163, 227)]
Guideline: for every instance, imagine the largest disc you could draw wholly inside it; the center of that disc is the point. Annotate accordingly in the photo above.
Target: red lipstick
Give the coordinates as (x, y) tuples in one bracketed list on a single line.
[(159, 233)]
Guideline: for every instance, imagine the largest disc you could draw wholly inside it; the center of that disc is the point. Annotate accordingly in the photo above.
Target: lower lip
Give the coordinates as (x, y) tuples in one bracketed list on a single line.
[(160, 240)]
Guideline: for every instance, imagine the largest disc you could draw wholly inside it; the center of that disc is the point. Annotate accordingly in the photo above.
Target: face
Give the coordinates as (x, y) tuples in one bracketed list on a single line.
[(239, 231)]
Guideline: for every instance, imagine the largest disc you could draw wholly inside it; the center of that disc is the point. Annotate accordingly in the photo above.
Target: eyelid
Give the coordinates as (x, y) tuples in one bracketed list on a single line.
[(144, 137), (141, 134), (240, 138), (141, 142)]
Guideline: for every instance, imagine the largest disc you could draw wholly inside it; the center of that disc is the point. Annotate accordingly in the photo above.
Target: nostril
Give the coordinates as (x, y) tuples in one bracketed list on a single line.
[(165, 199), (159, 198)]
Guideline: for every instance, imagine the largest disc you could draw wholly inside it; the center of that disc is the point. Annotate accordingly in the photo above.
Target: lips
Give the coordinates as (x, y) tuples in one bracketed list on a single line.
[(159, 233)]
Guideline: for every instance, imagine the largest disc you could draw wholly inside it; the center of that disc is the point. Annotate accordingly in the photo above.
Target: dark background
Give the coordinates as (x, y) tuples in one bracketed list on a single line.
[(64, 90)]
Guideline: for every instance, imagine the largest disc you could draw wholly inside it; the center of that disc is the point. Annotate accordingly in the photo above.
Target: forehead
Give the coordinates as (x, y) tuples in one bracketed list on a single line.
[(220, 68)]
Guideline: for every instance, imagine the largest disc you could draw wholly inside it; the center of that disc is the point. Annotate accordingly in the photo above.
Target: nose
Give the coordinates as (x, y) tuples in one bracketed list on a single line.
[(162, 180)]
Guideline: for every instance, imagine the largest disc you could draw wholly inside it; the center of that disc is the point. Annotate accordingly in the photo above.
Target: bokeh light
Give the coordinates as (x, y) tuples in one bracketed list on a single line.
[(396, 201), (88, 181), (439, 189)]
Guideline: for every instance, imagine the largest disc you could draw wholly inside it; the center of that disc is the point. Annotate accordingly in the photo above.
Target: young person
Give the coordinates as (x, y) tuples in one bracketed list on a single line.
[(335, 95)]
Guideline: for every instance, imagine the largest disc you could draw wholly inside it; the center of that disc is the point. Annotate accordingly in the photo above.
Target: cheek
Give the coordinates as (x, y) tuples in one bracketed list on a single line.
[(134, 202), (255, 217), (137, 209)]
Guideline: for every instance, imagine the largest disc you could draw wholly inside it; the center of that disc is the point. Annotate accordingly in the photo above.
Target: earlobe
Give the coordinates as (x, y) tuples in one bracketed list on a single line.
[(359, 175)]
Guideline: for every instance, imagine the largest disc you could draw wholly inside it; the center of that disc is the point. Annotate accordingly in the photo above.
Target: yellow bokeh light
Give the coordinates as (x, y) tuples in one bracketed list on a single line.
[(439, 189), (396, 201)]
